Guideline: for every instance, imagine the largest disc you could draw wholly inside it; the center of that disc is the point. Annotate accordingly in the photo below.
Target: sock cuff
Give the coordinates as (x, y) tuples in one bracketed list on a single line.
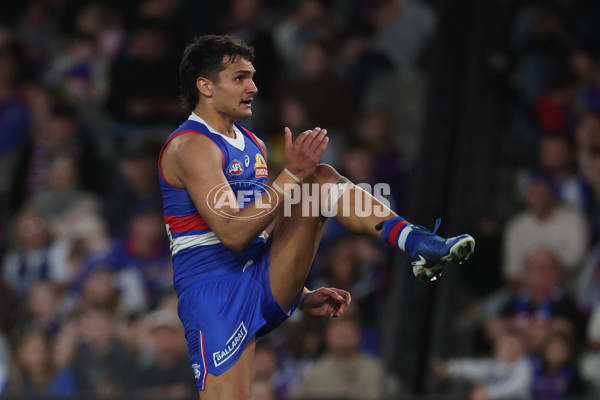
[(392, 231), (398, 235)]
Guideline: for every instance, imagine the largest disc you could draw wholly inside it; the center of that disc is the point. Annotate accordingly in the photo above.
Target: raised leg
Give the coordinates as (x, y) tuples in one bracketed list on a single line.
[(297, 236)]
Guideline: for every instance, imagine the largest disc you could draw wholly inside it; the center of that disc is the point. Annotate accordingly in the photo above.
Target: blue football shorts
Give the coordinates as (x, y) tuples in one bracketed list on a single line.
[(222, 313)]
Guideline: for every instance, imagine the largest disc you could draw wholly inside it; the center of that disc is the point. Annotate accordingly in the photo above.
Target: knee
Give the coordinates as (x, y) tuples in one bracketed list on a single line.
[(324, 173)]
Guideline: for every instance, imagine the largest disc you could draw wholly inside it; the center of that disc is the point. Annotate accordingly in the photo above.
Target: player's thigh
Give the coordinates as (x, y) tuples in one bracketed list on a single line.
[(291, 256), (233, 384), (295, 242)]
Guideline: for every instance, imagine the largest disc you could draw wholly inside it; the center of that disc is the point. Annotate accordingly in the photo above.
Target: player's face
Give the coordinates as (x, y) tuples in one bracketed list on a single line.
[(234, 92)]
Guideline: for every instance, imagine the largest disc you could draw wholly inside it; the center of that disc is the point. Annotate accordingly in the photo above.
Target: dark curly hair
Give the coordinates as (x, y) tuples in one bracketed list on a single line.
[(204, 57)]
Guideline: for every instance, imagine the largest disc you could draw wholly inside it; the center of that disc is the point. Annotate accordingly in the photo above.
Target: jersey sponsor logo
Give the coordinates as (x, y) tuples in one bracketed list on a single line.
[(246, 160), (234, 343), (235, 168), (260, 166)]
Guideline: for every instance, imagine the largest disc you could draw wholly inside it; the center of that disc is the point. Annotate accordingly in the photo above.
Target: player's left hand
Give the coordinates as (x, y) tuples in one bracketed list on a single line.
[(325, 302)]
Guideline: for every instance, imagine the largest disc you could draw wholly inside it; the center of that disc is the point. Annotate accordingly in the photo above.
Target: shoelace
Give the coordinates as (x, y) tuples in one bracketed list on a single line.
[(438, 222)]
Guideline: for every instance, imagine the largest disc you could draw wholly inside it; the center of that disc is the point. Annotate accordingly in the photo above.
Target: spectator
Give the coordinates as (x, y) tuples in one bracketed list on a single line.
[(587, 138), (91, 246), (169, 16), (506, 375), (42, 309), (376, 133), (309, 21), (15, 119), (586, 69), (540, 302), (168, 375), (588, 285), (557, 159), (302, 343), (359, 164), (555, 374), (591, 170), (545, 222), (347, 270), (61, 201), (541, 41), (555, 110), (358, 62), (245, 22), (402, 68), (80, 73), (37, 36), (335, 101), (343, 371), (293, 113), (120, 293), (35, 256), (136, 187), (34, 372), (144, 252), (412, 20), (15, 114), (147, 57), (57, 130), (265, 367), (102, 364)]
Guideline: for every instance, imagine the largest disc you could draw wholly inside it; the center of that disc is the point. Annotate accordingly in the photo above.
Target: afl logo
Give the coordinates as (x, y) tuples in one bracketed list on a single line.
[(235, 168)]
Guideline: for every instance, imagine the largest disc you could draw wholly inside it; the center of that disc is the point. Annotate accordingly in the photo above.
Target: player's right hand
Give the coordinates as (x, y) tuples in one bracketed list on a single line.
[(303, 154)]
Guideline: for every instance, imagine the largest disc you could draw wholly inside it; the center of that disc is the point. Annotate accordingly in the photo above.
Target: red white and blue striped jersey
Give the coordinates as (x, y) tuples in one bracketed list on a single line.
[(196, 250)]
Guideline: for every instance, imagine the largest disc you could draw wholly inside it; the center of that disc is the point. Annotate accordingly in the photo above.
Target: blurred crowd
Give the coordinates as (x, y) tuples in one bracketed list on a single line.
[(536, 319), (88, 93)]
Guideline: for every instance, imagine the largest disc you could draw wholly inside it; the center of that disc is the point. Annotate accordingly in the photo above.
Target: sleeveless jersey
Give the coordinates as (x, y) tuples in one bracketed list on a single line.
[(197, 252)]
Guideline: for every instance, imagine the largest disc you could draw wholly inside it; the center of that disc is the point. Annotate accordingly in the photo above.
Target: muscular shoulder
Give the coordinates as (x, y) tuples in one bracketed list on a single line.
[(188, 153), (191, 144), (189, 139)]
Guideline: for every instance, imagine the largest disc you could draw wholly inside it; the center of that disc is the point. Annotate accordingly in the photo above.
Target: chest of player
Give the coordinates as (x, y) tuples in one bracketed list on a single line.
[(245, 165)]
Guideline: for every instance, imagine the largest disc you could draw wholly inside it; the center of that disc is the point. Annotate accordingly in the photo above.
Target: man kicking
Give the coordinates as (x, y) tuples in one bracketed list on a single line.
[(234, 281)]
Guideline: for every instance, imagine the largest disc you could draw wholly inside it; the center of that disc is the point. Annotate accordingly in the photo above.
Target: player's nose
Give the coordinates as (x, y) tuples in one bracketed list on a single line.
[(252, 88)]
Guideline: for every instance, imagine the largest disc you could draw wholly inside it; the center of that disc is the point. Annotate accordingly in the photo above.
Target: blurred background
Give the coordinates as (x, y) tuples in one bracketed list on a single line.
[(486, 113)]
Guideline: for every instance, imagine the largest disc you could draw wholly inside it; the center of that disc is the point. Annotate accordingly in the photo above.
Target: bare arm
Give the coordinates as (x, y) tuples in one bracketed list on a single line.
[(194, 162)]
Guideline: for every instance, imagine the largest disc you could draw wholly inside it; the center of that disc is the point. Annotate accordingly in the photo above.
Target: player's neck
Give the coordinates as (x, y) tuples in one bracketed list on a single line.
[(219, 122)]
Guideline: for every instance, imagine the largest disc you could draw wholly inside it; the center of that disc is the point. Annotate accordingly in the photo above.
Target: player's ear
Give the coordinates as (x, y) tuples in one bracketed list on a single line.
[(205, 86)]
